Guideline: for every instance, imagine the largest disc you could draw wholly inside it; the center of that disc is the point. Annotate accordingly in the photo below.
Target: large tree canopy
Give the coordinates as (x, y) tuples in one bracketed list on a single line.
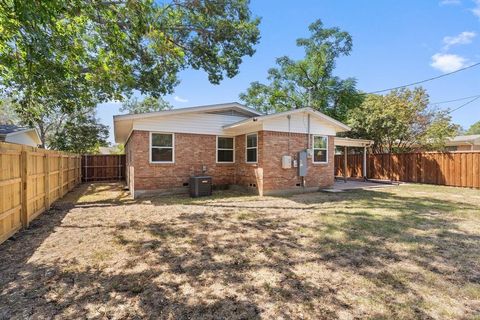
[(80, 52), (309, 81), (148, 104), (401, 121), (80, 134)]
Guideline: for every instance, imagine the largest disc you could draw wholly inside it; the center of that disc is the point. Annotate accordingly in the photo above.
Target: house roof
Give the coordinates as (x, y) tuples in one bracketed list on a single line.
[(205, 108), (123, 124), (8, 130), (466, 139), (308, 110)]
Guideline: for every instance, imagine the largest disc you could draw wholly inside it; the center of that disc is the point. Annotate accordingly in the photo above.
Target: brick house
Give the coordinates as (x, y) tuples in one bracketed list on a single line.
[(233, 144)]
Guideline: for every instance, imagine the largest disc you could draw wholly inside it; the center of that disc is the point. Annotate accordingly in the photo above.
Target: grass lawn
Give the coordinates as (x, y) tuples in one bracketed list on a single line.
[(407, 252)]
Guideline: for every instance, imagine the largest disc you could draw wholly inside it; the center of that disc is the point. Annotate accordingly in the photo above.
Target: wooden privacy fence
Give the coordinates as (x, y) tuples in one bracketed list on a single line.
[(459, 169), (107, 167), (30, 180)]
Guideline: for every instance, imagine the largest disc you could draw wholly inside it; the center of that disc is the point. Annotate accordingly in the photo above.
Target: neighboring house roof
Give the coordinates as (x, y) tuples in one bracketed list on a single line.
[(308, 110), (106, 150), (462, 140), (13, 133)]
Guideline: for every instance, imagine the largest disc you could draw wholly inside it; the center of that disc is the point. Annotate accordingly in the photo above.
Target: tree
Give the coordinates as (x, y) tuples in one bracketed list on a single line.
[(81, 134), (149, 104), (309, 81), (118, 148), (77, 52), (7, 112), (401, 120), (474, 128)]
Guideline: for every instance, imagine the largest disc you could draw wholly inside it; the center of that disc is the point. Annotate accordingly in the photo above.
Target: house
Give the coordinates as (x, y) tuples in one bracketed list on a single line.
[(233, 144), (463, 143), (20, 135)]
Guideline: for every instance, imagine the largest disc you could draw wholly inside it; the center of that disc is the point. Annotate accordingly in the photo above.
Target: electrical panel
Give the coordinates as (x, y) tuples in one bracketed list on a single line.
[(302, 163), (286, 162)]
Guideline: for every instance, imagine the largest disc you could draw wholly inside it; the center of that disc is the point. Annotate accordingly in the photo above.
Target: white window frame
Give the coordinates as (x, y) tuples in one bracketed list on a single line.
[(313, 148), (217, 149), (246, 147), (151, 147)]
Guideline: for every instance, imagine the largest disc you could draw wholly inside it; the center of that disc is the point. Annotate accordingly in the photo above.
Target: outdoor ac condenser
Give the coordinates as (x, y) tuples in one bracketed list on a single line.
[(200, 186)]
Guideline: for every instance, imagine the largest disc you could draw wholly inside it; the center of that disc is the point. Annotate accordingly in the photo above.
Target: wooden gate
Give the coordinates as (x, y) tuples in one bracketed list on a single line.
[(105, 167)]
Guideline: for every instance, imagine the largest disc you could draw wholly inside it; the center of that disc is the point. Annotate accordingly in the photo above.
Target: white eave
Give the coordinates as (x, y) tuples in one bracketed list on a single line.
[(32, 132), (308, 110)]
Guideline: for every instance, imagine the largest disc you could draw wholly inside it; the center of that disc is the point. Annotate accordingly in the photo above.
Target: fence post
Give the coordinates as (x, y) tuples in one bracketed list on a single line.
[(46, 170), (79, 169), (24, 195), (60, 175)]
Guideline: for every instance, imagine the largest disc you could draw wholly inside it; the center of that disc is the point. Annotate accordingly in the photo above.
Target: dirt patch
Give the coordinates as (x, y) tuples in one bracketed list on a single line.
[(406, 252)]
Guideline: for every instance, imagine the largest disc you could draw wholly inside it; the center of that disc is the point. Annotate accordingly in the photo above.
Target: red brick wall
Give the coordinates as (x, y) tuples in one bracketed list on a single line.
[(248, 174), (276, 145), (193, 151)]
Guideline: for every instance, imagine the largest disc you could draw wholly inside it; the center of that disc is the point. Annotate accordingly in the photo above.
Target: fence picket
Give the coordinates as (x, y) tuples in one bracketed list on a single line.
[(30, 180)]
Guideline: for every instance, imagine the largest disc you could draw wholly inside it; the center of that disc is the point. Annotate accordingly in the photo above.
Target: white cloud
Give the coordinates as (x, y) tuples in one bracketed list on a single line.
[(476, 10), (449, 2), (465, 37), (180, 99), (448, 62)]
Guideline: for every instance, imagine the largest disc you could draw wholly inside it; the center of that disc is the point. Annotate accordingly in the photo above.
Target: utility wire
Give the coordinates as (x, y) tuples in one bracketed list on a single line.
[(463, 105), (426, 80), (455, 100)]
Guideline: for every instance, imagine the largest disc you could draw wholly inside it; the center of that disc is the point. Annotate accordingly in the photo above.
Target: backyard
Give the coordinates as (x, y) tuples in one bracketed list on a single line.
[(411, 251)]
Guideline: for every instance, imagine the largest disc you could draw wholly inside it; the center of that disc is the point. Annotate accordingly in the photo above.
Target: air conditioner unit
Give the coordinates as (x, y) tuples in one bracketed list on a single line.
[(200, 186)]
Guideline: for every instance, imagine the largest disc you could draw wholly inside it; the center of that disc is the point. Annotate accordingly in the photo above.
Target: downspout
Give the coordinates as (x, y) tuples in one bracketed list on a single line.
[(308, 131), (289, 118), (304, 183)]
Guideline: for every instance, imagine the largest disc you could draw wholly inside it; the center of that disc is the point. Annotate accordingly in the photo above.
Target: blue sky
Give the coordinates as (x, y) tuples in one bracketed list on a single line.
[(394, 43)]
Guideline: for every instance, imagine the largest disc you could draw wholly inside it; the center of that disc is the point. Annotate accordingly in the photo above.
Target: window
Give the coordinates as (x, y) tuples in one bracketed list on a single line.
[(225, 149), (251, 144), (161, 147), (320, 149)]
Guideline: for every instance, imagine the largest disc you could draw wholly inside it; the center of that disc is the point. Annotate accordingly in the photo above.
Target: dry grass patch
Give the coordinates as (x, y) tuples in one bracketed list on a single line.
[(410, 252)]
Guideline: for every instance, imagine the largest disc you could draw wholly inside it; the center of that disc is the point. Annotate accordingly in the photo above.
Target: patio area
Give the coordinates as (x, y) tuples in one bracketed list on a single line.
[(358, 184)]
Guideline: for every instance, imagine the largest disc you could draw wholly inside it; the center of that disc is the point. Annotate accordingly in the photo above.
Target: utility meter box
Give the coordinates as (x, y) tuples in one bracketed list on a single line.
[(302, 163), (286, 162)]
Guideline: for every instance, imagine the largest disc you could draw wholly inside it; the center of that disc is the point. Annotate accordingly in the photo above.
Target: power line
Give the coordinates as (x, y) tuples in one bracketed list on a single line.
[(463, 105), (455, 100), (426, 80)]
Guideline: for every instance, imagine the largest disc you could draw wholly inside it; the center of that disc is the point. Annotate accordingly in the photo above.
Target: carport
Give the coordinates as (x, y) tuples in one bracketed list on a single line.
[(346, 143)]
